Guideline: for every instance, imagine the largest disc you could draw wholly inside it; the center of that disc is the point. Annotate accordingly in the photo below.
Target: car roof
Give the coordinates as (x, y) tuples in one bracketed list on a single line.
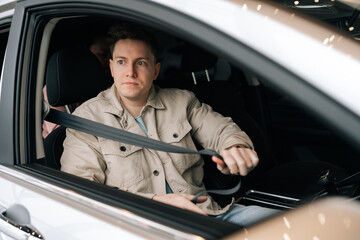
[(322, 56)]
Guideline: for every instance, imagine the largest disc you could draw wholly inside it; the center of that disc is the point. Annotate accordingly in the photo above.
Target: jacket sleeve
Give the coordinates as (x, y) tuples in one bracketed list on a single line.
[(212, 130), (82, 156)]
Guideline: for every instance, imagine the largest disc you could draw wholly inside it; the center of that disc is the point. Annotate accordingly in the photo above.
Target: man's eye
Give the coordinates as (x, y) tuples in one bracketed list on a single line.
[(121, 61), (141, 63)]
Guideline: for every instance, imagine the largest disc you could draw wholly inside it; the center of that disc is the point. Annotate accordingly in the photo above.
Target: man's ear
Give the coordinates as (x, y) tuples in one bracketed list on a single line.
[(157, 70), (110, 66)]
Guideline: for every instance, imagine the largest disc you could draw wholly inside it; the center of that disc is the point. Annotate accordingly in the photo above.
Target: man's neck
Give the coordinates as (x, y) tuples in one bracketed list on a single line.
[(133, 107)]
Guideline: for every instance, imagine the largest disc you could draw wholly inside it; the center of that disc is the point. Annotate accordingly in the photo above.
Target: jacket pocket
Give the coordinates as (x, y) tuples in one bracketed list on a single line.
[(123, 163), (176, 131), (179, 133)]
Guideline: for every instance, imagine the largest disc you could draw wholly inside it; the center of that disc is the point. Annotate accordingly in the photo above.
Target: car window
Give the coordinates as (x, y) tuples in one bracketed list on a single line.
[(281, 130)]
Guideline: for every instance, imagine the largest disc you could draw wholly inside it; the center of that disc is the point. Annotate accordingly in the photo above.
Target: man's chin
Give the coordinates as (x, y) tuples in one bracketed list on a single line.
[(132, 97)]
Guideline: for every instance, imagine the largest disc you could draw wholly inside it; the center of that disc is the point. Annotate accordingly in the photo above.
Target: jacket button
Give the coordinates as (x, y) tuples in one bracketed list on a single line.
[(175, 135), (122, 148), (156, 172)]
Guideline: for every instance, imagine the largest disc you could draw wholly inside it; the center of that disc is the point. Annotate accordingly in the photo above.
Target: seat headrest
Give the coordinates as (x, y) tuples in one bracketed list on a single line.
[(198, 64), (195, 59), (72, 76)]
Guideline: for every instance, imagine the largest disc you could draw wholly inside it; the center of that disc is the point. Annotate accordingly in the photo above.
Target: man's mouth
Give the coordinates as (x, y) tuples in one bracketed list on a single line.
[(130, 83)]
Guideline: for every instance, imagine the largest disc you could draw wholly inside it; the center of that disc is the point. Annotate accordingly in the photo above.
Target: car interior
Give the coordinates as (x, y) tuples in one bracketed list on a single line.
[(300, 157)]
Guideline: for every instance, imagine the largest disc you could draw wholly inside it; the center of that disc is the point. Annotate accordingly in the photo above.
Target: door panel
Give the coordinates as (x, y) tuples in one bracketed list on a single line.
[(58, 213)]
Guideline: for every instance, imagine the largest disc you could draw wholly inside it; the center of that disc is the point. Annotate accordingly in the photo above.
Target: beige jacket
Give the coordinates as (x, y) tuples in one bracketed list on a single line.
[(170, 115)]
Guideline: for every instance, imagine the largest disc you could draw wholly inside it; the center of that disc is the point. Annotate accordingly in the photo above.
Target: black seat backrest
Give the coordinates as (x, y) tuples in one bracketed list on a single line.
[(216, 83), (72, 76), (53, 145), (224, 93)]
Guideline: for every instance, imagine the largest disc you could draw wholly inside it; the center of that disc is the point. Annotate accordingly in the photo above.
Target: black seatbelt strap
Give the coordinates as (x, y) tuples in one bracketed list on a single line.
[(119, 135)]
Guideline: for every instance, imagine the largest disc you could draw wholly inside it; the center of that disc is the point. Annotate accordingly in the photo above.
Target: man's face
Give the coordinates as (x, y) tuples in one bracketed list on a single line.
[(133, 69)]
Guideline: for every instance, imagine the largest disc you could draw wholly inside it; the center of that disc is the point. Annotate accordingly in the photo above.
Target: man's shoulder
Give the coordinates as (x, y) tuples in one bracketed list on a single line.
[(94, 105), (174, 93)]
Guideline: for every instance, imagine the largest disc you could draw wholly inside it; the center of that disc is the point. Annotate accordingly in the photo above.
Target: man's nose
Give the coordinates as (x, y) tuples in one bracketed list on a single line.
[(131, 70)]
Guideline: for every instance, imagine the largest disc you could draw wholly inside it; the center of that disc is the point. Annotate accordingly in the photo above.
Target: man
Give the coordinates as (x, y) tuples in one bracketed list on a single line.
[(175, 116)]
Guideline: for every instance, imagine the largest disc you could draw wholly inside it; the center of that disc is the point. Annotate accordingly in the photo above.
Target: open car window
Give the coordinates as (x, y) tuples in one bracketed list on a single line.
[(286, 137)]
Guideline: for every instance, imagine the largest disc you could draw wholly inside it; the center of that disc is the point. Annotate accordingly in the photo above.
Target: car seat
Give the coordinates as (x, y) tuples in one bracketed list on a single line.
[(73, 75)]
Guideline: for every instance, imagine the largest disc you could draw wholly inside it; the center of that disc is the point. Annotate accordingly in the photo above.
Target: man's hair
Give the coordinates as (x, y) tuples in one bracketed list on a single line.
[(133, 32)]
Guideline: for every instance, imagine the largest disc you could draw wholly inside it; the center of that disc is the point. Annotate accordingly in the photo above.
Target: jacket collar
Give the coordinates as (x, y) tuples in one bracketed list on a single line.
[(115, 107), (154, 100)]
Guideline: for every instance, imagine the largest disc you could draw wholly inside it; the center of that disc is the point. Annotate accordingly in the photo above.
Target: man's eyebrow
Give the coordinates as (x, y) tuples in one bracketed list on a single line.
[(139, 58), (120, 57)]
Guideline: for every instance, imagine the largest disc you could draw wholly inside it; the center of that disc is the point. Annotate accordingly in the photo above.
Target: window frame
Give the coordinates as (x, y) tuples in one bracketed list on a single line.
[(6, 101)]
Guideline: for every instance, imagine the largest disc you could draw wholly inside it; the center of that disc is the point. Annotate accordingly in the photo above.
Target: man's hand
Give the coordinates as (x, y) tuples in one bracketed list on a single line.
[(181, 200), (237, 160)]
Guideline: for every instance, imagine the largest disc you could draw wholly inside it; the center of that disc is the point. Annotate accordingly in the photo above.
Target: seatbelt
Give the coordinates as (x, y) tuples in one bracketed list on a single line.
[(119, 135)]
